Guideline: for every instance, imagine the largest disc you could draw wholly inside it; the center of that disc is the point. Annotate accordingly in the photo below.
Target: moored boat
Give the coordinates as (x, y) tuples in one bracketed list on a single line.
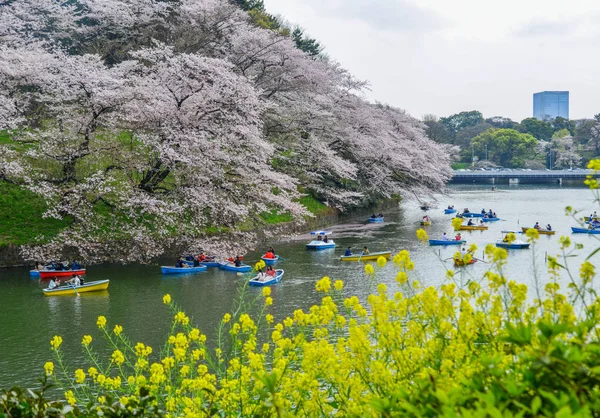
[(270, 281), (473, 228), (490, 219), (446, 242), (320, 243), (244, 268), (270, 261), (540, 231), (181, 270), (73, 290), (594, 231), (378, 219), (448, 211), (367, 257), (47, 274)]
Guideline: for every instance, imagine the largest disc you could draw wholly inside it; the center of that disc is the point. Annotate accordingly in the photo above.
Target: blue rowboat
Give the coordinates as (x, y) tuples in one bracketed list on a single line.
[(472, 215), (490, 219), (181, 270), (513, 245), (446, 242), (375, 220), (269, 282), (244, 268), (211, 263), (34, 273), (270, 261), (448, 211), (585, 231)]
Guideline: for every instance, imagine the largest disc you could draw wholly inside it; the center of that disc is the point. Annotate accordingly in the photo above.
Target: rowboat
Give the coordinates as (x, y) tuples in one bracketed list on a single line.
[(367, 257), (34, 273), (587, 218), (448, 211), (473, 228), (47, 274), (244, 268), (181, 270), (375, 220), (446, 242), (73, 290), (460, 263), (585, 231), (515, 245), (319, 244), (270, 261), (425, 206), (540, 231), (472, 215), (490, 219), (425, 223), (268, 282)]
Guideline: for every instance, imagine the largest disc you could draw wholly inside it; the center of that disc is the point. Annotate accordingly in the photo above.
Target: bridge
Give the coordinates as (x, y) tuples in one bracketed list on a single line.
[(521, 176)]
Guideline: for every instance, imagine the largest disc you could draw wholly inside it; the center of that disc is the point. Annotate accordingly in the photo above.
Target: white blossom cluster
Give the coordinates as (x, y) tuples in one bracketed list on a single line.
[(150, 122)]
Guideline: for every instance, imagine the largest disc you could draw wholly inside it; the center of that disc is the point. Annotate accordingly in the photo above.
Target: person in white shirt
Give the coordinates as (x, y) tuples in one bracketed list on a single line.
[(75, 281), (52, 284), (444, 237)]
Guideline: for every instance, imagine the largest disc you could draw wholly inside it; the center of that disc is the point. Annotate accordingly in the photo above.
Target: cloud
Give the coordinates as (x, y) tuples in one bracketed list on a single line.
[(392, 15), (542, 28)]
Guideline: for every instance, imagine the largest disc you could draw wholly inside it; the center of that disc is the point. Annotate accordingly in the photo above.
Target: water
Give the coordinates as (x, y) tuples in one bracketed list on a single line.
[(134, 298)]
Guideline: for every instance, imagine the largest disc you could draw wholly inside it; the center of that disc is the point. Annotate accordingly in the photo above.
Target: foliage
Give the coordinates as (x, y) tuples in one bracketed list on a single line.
[(563, 151), (506, 147), (540, 129), (183, 116), (454, 123)]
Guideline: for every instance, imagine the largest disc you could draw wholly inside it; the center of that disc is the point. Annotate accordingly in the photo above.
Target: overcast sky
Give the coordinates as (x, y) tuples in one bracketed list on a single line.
[(445, 56)]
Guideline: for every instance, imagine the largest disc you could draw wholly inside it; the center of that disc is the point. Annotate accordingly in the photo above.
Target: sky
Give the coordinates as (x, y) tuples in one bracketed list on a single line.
[(445, 56)]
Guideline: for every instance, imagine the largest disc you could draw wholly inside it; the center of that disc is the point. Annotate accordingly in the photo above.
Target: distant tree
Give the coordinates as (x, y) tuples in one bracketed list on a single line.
[(306, 44), (561, 134), (502, 122), (458, 121), (594, 140), (436, 130), (560, 123), (506, 147), (564, 153), (464, 136), (541, 130)]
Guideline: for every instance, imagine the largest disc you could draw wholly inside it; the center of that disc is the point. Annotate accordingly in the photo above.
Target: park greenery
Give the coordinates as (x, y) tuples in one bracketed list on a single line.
[(135, 126), (500, 142)]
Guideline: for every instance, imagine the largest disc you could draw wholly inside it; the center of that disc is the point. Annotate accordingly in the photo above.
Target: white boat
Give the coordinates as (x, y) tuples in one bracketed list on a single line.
[(269, 281), (322, 242)]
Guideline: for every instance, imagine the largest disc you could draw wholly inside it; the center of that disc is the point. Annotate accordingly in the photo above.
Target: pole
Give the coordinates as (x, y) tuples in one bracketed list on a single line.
[(486, 153), (472, 158)]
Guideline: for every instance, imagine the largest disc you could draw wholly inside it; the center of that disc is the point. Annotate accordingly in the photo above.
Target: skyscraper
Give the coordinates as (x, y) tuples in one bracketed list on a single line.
[(550, 104)]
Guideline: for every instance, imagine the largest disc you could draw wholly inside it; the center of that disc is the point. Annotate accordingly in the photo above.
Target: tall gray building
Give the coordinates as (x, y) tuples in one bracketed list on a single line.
[(550, 104)]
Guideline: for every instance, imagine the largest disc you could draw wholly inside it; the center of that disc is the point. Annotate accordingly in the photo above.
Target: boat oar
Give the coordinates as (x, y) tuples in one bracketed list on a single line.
[(75, 289), (478, 259)]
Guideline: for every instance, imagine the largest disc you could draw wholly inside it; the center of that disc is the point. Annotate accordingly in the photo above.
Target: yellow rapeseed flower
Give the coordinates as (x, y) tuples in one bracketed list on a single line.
[(323, 285), (101, 322), (402, 277), (422, 235), (269, 318), (268, 301), (381, 261), (338, 285), (49, 368), (266, 291), (70, 398), (117, 357), (369, 270), (167, 299), (533, 234), (117, 330), (86, 340), (79, 375), (226, 318), (56, 342), (181, 318)]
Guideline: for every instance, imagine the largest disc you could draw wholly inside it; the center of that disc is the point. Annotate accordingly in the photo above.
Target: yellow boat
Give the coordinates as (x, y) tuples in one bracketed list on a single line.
[(587, 218), (367, 257), (425, 223), (540, 231), (68, 289), (473, 228)]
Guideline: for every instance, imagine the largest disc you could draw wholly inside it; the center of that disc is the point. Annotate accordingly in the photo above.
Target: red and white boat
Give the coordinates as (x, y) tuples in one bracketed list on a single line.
[(48, 274)]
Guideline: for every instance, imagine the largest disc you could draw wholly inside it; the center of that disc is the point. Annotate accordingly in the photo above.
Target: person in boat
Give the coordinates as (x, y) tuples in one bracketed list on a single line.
[(458, 237), (271, 271), (494, 215), (380, 215), (481, 222), (319, 237), (196, 262), (505, 239), (450, 207), (470, 223), (365, 251), (458, 215), (269, 254), (201, 257), (490, 214), (463, 251), (39, 266), (373, 216), (444, 237), (348, 252), (272, 250), (549, 227), (189, 257), (75, 265), (180, 263), (483, 211), (53, 284), (261, 276), (325, 239), (466, 210), (75, 280), (238, 261), (59, 266), (426, 219), (537, 226)]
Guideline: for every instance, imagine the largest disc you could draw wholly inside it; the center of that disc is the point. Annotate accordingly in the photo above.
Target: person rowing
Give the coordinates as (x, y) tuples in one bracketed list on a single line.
[(238, 261), (537, 226), (348, 252), (549, 227), (470, 223)]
